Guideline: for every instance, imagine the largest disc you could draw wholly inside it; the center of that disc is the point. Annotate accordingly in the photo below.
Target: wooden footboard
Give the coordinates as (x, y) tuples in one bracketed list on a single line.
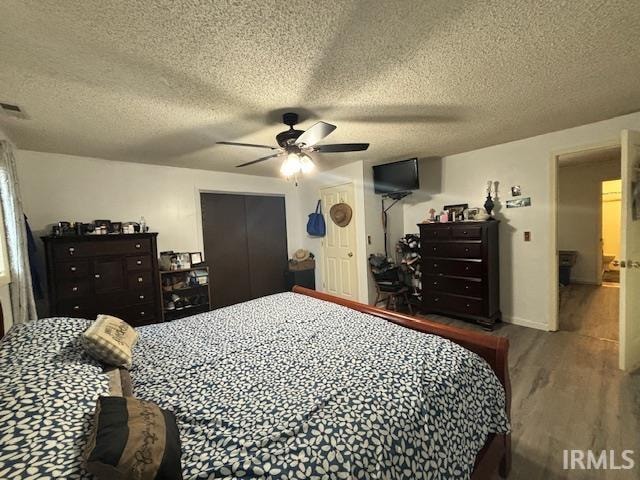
[(496, 454)]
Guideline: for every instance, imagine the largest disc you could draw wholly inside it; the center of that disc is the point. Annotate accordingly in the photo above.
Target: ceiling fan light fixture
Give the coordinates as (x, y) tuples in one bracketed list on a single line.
[(306, 164), (291, 165)]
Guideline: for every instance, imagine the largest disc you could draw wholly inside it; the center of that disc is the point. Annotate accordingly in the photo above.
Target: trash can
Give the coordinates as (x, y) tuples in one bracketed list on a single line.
[(566, 260)]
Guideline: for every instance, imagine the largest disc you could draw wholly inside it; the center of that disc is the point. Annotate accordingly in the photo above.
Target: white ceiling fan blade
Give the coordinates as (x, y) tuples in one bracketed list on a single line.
[(314, 134)]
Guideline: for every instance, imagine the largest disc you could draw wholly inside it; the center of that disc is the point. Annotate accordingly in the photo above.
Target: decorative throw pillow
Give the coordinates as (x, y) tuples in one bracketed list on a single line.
[(111, 341), (133, 439)]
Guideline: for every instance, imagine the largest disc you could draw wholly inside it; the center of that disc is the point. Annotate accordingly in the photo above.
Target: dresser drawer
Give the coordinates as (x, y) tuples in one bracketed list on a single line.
[(466, 232), (452, 303), (465, 250), (138, 315), (74, 289), (126, 298), (78, 308), (436, 233), (435, 249), (75, 269), (459, 286), (460, 268), (139, 280), (140, 262), (68, 251), (123, 247)]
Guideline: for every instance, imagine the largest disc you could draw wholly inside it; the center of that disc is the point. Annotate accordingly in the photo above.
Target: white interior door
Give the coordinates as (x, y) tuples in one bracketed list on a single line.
[(630, 253), (340, 272)]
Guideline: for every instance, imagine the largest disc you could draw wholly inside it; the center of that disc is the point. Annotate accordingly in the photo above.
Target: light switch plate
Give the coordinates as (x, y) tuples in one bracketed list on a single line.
[(527, 236)]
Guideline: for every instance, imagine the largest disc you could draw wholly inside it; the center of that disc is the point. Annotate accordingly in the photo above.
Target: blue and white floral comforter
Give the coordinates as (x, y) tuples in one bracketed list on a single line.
[(283, 387)]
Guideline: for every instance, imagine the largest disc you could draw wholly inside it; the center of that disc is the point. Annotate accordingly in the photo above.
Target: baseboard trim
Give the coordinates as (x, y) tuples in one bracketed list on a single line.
[(523, 322)]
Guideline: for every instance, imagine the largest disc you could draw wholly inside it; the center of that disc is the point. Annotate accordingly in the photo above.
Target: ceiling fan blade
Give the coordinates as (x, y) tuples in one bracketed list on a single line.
[(247, 145), (258, 160), (314, 134), (341, 147)]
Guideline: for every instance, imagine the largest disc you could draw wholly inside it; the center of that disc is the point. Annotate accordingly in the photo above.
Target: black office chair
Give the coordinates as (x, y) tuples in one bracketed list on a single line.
[(390, 287)]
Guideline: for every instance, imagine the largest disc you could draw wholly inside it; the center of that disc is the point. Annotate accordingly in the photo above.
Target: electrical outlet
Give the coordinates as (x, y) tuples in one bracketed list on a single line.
[(527, 236)]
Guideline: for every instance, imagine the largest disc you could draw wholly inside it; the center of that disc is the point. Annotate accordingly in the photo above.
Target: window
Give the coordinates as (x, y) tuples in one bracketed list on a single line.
[(5, 275)]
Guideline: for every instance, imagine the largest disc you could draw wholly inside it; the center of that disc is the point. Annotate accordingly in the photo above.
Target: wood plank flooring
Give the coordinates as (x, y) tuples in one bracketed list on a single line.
[(590, 310), (567, 393)]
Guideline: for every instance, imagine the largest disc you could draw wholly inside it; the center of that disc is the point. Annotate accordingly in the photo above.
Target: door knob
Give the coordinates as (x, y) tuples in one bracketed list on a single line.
[(350, 254)]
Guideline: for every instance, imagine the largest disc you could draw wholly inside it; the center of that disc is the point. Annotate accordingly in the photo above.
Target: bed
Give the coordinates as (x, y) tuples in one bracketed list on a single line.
[(294, 385)]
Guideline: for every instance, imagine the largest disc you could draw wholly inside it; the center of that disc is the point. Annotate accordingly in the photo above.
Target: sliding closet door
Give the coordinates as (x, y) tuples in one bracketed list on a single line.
[(267, 244), (224, 231), (245, 246)]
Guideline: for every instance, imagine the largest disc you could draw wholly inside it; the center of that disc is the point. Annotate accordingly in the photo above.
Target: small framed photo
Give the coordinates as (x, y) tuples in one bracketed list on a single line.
[(196, 258), (472, 213), (458, 210), (183, 261), (519, 202), (515, 191)]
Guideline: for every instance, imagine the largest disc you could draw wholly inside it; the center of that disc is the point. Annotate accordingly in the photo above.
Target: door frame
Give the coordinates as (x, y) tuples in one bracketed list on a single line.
[(358, 233), (554, 304)]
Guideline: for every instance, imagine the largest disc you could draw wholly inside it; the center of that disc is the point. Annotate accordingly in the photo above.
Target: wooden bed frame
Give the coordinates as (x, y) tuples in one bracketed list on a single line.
[(495, 456)]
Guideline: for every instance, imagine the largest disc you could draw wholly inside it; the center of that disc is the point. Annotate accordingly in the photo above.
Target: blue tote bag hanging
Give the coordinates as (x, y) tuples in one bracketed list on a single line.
[(316, 226)]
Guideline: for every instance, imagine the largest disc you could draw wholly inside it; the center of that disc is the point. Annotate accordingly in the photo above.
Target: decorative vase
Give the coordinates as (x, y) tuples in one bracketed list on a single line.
[(488, 205)]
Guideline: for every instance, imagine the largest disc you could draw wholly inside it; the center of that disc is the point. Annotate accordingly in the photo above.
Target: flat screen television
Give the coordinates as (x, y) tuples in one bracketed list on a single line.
[(396, 177)]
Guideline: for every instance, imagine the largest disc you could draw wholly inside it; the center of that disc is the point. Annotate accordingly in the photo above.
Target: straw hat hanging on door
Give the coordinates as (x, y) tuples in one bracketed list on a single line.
[(341, 214)]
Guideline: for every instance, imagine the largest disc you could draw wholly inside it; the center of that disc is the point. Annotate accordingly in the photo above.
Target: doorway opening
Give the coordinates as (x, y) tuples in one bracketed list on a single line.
[(588, 235)]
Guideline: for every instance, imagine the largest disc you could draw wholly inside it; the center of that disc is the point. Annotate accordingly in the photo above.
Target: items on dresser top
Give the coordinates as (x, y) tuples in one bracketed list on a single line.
[(460, 270), (109, 274), (185, 292)]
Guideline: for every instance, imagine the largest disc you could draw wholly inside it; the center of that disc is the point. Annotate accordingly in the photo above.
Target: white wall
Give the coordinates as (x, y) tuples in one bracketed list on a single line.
[(579, 215), (525, 267), (309, 194), (64, 187)]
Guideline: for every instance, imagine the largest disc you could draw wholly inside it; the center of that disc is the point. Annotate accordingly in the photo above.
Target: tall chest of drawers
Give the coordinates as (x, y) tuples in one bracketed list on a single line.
[(110, 274), (461, 270)]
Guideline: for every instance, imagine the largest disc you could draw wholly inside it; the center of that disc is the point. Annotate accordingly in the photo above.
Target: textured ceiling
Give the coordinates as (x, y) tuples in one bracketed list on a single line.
[(161, 81)]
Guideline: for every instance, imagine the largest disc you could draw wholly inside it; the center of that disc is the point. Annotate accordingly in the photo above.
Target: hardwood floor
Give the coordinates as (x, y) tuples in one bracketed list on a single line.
[(590, 310), (567, 393)]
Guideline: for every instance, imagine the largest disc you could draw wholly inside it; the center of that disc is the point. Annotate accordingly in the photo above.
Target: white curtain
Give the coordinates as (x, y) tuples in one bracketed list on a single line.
[(23, 306)]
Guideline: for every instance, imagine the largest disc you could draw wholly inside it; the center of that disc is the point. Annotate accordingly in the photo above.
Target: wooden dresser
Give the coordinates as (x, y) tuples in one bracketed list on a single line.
[(461, 271), (110, 274)]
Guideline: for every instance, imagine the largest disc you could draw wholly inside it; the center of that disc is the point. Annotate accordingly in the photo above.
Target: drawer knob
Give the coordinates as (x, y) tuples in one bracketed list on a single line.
[(464, 233), (97, 275), (466, 269), (466, 287), (142, 314), (72, 250), (73, 269), (139, 262), (435, 283), (141, 297), (436, 299), (139, 279), (138, 245), (74, 289), (435, 265), (435, 249), (466, 249), (76, 307), (468, 306)]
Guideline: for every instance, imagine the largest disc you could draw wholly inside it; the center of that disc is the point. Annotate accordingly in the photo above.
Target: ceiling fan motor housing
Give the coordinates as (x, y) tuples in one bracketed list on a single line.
[(288, 137)]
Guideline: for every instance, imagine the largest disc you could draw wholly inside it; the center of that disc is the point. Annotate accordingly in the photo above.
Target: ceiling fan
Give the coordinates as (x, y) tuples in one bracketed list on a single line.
[(297, 144)]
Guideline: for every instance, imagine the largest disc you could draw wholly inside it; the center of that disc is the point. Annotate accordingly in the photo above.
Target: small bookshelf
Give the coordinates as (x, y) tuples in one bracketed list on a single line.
[(185, 292)]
